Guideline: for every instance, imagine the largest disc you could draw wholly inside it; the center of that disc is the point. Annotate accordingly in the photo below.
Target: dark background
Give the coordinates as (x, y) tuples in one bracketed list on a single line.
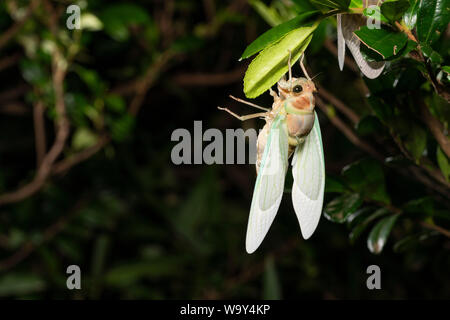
[(141, 227)]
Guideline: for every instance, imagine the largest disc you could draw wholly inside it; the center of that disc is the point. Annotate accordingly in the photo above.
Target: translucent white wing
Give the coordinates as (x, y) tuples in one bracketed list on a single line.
[(348, 24), (269, 184), (340, 42), (308, 170)]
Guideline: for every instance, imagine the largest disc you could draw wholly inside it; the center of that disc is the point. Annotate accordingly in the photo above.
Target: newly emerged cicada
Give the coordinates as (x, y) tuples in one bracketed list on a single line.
[(292, 127)]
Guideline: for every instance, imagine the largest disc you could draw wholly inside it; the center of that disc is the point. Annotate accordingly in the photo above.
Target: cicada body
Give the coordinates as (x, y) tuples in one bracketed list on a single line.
[(292, 128)]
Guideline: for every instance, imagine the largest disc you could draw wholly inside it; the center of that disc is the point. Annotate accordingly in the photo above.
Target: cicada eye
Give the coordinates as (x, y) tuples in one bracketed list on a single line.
[(297, 89)]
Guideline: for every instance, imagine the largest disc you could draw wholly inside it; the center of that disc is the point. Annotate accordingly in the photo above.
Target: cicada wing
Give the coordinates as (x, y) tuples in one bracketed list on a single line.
[(269, 184), (308, 170), (348, 24), (340, 42)]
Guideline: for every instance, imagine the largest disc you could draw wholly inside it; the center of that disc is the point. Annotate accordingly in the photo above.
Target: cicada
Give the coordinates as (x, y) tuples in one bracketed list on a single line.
[(292, 129)]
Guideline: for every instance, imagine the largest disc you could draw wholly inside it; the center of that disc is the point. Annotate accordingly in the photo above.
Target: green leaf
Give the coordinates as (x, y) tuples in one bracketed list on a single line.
[(356, 4), (423, 206), (115, 103), (84, 138), (271, 287), (410, 16), (411, 241), (446, 69), (385, 42), (443, 163), (369, 125), (367, 177), (15, 284), (273, 35), (432, 19), (332, 4), (361, 226), (121, 128), (127, 274), (380, 233), (270, 65), (374, 12), (383, 111), (117, 18), (416, 141), (334, 185), (269, 14), (393, 10), (341, 207)]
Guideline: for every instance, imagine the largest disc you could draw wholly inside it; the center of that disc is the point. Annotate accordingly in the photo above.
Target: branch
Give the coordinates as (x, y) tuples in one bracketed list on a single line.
[(9, 61), (67, 163), (142, 86), (436, 228), (348, 132), (12, 31), (208, 79), (435, 127), (39, 132), (62, 133), (353, 116)]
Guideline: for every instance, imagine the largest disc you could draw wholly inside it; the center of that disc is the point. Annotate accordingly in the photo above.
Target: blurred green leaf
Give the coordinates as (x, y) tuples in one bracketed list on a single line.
[(115, 103), (410, 16), (331, 4), (416, 141), (271, 285), (360, 226), (122, 127), (443, 162), (380, 233), (83, 138), (131, 272), (394, 9), (334, 185), (367, 177), (338, 209), (17, 284), (412, 241), (424, 205), (369, 125), (118, 17), (432, 18)]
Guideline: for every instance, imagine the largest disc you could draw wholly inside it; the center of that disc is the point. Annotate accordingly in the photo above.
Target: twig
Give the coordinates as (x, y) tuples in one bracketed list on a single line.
[(435, 127), (436, 228), (147, 81), (353, 116), (9, 61), (67, 163), (12, 31), (62, 133), (39, 132), (208, 79), (348, 132)]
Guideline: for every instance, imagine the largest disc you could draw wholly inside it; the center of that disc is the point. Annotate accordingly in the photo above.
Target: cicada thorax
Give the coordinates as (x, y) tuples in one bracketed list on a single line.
[(299, 108), (296, 101)]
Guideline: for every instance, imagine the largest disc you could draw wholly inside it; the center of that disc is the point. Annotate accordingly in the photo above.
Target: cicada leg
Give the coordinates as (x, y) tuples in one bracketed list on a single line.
[(249, 103), (246, 117)]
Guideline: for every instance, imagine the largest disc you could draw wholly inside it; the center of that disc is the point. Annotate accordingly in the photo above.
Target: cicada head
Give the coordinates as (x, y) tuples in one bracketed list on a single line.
[(295, 87)]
